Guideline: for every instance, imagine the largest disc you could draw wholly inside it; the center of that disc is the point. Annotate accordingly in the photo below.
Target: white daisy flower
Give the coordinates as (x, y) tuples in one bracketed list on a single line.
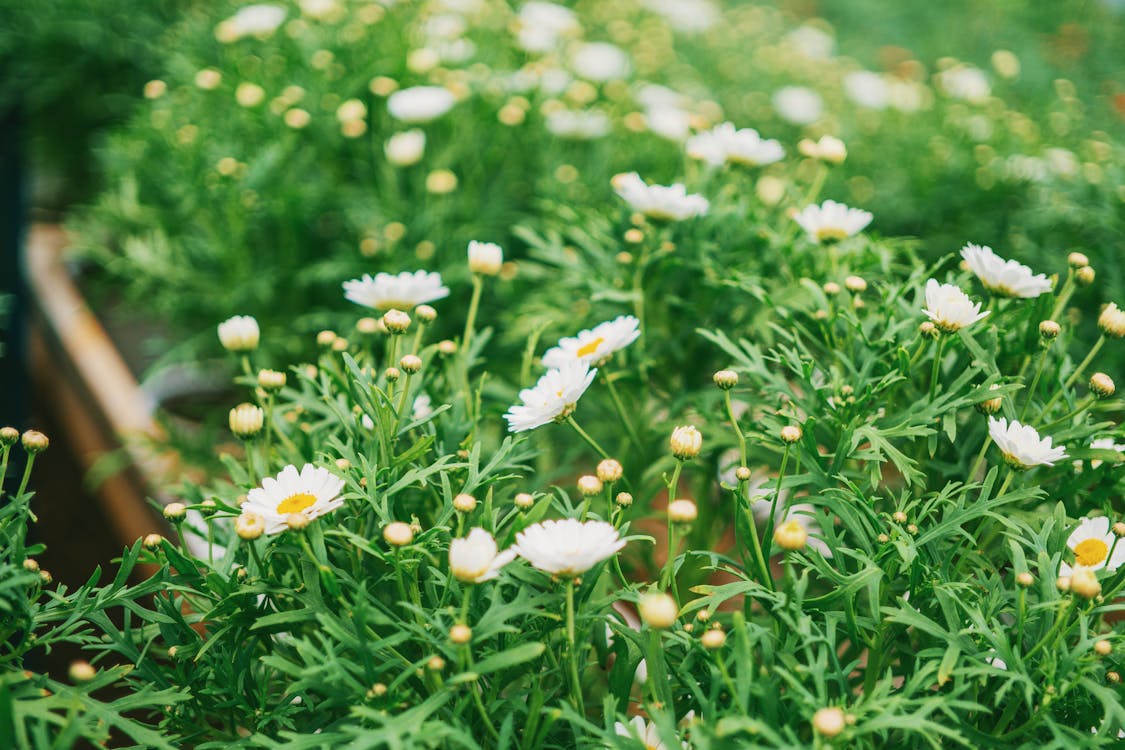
[(420, 103), (239, 334), (668, 122), (542, 25), (949, 308), (1021, 445), (258, 20), (1091, 544), (600, 62), (1004, 277), (798, 105), (832, 221), (867, 89), (568, 547), (1104, 444), (314, 491), (687, 16), (422, 407), (965, 82), (724, 143), (595, 345), (553, 398), (578, 125), (645, 731), (404, 292), (672, 203), (476, 558)]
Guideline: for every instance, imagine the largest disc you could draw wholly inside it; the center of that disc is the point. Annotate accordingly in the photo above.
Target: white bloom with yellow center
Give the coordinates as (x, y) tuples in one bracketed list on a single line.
[(645, 731), (552, 398), (671, 203), (832, 221), (724, 143), (1004, 277), (949, 308), (420, 103), (596, 344), (1095, 546), (387, 291), (568, 547), (476, 558), (1021, 445), (312, 491)]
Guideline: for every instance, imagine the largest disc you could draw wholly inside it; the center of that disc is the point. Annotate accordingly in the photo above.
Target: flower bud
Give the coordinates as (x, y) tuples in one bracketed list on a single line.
[(682, 511), (406, 148), (829, 722), (398, 534), (435, 664), (713, 639), (623, 499), (485, 258), (1025, 579), (855, 284), (899, 517), (1103, 647), (831, 288), (524, 500), (790, 434), (1062, 583), (152, 541), (460, 634), (249, 526), (1085, 275), (326, 338), (464, 503), (396, 321), (340, 344), (34, 442), (609, 470), (425, 313), (791, 535), (991, 405), (742, 473), (686, 442), (1049, 329), (246, 421), (45, 577), (927, 328), (1102, 384), (175, 512), (1119, 529), (392, 374), (589, 485), (447, 347), (81, 671), (297, 521), (239, 334), (343, 464), (410, 364), (658, 610), (31, 565), (726, 379), (368, 326), (9, 436), (1077, 260), (1084, 582), (271, 380)]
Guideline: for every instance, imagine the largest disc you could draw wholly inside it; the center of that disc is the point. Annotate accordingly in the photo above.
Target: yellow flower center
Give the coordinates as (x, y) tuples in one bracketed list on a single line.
[(831, 233), (295, 503), (1090, 552), (590, 347)]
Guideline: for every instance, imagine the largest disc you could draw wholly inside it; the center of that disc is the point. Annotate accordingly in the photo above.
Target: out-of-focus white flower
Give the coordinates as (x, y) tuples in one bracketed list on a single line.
[(420, 103), (422, 407), (1102, 444), (811, 42), (672, 203), (908, 96), (1091, 544), (596, 344), (568, 547), (600, 62), (724, 143), (798, 104), (580, 125), (320, 9), (670, 123), (996, 661), (1062, 161), (541, 26), (485, 257), (239, 334), (964, 82), (553, 398), (476, 558), (687, 16), (313, 491), (445, 26), (404, 291), (832, 221), (1021, 445), (654, 96), (867, 89), (1004, 277), (405, 148), (949, 308), (259, 20)]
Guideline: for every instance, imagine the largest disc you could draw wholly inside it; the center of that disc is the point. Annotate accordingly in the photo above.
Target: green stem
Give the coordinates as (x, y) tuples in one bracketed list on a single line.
[(666, 576), (26, 474), (980, 457), (4, 465), (1073, 376), (1035, 381), (773, 504), (1064, 295), (418, 338), (589, 440), (737, 430), (937, 366), (572, 650), (470, 321), (622, 412), (743, 500)]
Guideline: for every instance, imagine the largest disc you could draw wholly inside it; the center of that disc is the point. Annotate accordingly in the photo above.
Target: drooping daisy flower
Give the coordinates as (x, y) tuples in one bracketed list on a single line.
[(387, 291), (832, 221), (420, 103), (594, 345), (645, 731), (553, 398), (724, 143), (671, 203), (1004, 277), (312, 492), (949, 308), (475, 558), (569, 547), (1091, 543), (1021, 445)]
